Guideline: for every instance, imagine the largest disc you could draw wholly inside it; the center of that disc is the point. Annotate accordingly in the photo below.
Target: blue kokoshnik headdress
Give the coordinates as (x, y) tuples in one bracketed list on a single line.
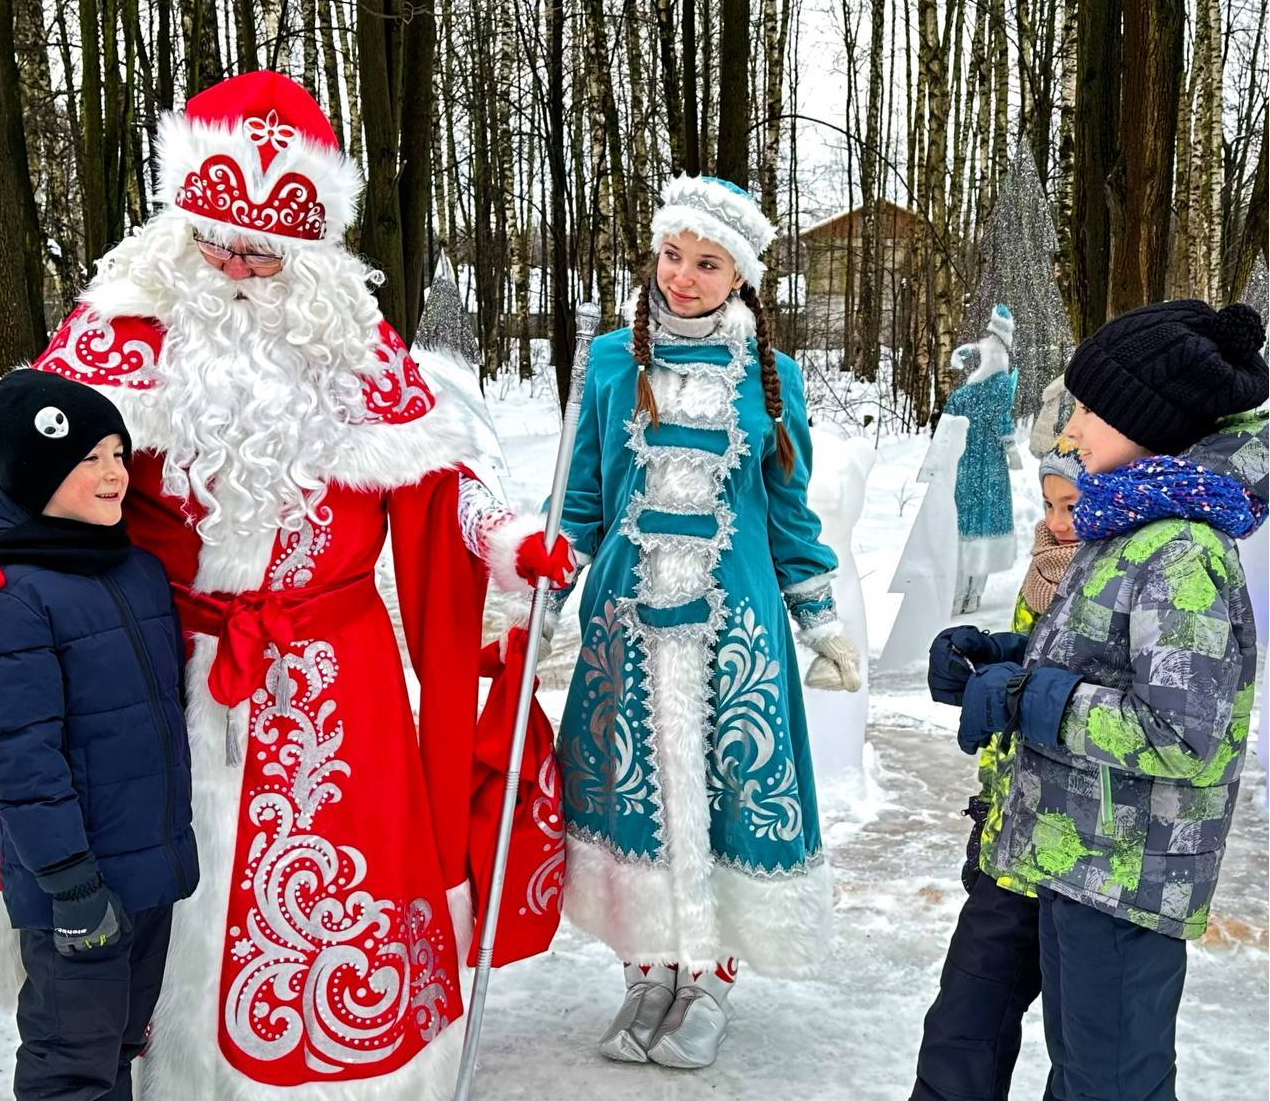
[(716, 210)]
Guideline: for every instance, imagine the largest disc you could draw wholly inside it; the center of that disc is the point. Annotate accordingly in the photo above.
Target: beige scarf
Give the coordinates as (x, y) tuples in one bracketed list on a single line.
[(1050, 560)]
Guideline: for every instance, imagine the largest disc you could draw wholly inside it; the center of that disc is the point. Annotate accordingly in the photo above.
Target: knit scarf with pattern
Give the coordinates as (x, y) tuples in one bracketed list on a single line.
[(1050, 560), (1160, 486)]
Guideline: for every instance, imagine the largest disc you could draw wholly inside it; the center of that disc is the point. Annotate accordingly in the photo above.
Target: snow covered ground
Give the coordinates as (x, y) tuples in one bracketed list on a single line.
[(895, 840)]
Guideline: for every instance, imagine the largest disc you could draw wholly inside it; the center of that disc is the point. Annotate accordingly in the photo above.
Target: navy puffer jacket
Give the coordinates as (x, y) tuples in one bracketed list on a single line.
[(94, 754)]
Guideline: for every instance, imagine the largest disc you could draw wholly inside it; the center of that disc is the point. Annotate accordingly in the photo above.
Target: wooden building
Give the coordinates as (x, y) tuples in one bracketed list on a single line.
[(833, 249)]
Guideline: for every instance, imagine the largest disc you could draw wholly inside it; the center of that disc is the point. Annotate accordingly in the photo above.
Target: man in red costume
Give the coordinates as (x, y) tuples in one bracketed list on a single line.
[(280, 430)]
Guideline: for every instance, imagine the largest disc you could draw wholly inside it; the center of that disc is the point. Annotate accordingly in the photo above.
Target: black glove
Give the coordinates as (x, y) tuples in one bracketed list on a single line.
[(959, 651), (87, 915)]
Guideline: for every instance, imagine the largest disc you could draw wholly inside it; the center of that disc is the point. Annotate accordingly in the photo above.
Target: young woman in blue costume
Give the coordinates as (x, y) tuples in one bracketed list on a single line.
[(693, 840)]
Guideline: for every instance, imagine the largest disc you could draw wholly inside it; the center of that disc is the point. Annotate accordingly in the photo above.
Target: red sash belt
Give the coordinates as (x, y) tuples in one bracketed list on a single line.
[(245, 624)]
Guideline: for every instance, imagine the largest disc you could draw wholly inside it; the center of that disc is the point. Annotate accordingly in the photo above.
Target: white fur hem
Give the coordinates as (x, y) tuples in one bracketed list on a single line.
[(978, 557), (502, 543), (779, 925), (429, 1076)]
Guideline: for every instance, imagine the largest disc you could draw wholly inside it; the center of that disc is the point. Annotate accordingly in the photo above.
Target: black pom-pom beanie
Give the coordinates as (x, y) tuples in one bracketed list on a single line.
[(47, 425), (1165, 374)]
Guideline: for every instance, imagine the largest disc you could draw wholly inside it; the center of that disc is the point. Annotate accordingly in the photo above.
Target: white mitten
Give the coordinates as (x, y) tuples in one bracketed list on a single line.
[(836, 667), (1012, 457)]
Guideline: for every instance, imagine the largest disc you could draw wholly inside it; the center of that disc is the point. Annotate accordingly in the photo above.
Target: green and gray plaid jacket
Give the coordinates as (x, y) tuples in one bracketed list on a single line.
[(1130, 812)]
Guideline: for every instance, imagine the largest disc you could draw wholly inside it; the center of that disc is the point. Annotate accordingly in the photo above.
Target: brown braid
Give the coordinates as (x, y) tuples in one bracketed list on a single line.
[(645, 400), (771, 379)]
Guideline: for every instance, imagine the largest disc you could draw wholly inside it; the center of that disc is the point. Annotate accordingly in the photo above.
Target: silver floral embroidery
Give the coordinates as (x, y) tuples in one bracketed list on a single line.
[(297, 555), (747, 739), (321, 964), (615, 778)]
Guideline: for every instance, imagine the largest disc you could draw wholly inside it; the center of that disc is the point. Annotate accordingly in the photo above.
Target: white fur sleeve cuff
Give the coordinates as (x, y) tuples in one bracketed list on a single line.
[(501, 543)]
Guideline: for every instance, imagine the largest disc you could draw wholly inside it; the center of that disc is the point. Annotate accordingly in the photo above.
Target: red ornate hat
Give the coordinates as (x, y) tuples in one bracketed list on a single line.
[(255, 153)]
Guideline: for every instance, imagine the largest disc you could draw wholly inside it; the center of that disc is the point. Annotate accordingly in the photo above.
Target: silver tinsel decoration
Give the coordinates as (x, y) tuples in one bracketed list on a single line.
[(1018, 251), (444, 326)]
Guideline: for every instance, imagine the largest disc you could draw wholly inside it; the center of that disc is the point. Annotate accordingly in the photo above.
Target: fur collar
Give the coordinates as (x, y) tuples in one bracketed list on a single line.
[(737, 318)]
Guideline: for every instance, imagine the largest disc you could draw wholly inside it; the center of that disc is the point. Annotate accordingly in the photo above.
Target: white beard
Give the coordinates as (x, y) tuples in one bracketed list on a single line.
[(257, 378)]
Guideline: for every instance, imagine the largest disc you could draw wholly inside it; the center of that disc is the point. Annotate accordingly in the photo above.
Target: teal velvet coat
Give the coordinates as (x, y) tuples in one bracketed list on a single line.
[(688, 786)]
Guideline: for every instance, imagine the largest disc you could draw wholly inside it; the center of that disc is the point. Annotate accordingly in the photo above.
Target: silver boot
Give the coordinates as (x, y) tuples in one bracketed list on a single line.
[(695, 1025), (649, 993)]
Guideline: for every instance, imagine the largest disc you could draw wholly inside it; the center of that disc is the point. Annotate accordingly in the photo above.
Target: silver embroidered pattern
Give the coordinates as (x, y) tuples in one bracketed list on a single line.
[(298, 551), (700, 635), (320, 963), (480, 512), (747, 740)]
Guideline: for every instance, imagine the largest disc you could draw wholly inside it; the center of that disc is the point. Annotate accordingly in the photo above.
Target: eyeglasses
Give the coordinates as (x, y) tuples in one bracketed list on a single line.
[(262, 263)]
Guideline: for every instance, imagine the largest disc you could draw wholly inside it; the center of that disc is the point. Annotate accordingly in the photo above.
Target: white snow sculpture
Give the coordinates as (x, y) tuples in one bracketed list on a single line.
[(927, 570), (836, 720), (1254, 554)]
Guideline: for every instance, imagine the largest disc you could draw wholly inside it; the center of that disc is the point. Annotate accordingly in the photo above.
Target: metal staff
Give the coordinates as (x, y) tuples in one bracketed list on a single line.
[(588, 322)]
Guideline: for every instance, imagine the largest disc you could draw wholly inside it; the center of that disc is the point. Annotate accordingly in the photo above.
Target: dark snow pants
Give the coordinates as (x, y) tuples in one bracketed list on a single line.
[(992, 973), (1112, 991), (83, 1020)]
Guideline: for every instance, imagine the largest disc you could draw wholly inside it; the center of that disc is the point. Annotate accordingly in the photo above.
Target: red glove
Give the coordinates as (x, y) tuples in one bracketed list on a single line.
[(533, 561)]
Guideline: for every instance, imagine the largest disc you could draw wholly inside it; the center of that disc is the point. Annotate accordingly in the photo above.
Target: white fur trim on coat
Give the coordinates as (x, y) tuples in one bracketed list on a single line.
[(184, 145), (779, 925), (500, 550), (738, 320)]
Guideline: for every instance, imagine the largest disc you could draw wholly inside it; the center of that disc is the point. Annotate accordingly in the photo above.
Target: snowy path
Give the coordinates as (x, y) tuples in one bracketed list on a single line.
[(854, 1035), (896, 850)]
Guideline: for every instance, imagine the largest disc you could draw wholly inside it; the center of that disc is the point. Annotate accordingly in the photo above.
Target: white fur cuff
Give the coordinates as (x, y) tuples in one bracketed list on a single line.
[(809, 636), (501, 546)]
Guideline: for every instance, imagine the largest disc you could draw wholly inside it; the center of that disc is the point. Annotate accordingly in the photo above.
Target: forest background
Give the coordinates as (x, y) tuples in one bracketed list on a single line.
[(528, 139)]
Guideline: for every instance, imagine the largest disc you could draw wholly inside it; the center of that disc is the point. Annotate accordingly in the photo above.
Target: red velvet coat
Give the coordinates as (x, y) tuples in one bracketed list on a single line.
[(320, 948)]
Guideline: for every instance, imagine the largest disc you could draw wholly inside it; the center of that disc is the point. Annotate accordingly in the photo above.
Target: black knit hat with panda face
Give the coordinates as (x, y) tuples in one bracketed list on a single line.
[(1165, 374), (47, 425)]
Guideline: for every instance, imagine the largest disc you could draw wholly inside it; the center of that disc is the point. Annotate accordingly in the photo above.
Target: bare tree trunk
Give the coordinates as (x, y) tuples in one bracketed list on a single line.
[(709, 86), (203, 66), (732, 161), (1066, 151), (641, 185), (1252, 238), (692, 136), (331, 72), (1148, 126), (775, 37), (93, 182), (23, 334), (1097, 123), (868, 314), (351, 96), (1206, 161), (1001, 109), (309, 42), (601, 212), (112, 136), (381, 232), (245, 30), (417, 160), (935, 62), (562, 308), (167, 81), (670, 89)]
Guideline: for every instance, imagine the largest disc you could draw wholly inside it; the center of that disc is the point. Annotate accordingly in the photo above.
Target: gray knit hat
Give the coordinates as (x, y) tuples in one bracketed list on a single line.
[(1061, 459)]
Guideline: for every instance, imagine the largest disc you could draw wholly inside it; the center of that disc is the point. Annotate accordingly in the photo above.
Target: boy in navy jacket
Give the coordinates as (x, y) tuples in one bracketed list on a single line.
[(95, 837)]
